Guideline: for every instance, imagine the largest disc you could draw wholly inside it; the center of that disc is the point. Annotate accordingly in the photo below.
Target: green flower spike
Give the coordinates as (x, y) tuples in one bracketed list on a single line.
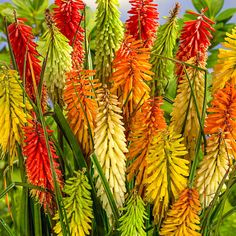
[(109, 34), (78, 206), (59, 59), (132, 221), (164, 46)]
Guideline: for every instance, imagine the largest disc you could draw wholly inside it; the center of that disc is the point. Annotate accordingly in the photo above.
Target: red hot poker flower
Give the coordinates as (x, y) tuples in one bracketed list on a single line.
[(222, 117), (68, 19), (147, 122), (194, 40), (143, 21), (24, 49), (37, 163)]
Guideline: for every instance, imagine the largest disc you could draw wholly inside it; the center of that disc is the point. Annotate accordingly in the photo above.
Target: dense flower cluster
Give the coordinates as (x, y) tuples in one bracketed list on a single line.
[(68, 19), (110, 147), (183, 218), (142, 23), (132, 71), (81, 106), (136, 141), (13, 110), (38, 166), (194, 40), (26, 56), (147, 122)]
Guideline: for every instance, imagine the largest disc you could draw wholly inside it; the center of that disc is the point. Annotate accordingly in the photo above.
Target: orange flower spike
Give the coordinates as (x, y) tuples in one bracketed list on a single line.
[(38, 164), (183, 218), (79, 98), (222, 112), (132, 70), (148, 121)]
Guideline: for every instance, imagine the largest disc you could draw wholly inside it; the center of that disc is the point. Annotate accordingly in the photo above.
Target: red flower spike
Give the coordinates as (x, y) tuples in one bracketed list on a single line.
[(38, 164), (24, 48), (194, 40), (143, 18), (68, 19)]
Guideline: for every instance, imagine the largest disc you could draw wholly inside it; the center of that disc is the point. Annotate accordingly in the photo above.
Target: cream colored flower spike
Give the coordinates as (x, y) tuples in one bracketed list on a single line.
[(213, 167), (110, 147)]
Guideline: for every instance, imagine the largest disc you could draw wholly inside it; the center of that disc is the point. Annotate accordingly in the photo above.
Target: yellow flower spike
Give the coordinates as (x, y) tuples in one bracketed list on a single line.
[(183, 219), (184, 114), (166, 171), (213, 167), (225, 69), (12, 110), (78, 206), (110, 148)]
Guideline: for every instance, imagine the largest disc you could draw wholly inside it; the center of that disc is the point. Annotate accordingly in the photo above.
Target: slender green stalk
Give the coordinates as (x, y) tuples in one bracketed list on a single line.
[(58, 196), (24, 213), (7, 227), (106, 187), (86, 65), (177, 61), (40, 85), (62, 154), (10, 48), (201, 132), (80, 162), (64, 126), (37, 220)]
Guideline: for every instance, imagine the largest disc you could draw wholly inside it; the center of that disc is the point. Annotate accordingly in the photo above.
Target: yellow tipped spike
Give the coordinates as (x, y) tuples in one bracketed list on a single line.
[(213, 167), (184, 115), (225, 69), (167, 171), (12, 110)]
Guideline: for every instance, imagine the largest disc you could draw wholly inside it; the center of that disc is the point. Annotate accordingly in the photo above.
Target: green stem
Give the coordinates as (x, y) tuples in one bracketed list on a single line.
[(58, 196), (7, 228), (107, 188)]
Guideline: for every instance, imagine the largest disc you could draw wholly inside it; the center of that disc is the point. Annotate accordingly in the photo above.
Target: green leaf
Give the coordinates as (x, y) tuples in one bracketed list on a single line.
[(37, 220), (65, 128), (215, 7), (226, 14), (212, 58), (5, 57), (4, 6), (199, 4)]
